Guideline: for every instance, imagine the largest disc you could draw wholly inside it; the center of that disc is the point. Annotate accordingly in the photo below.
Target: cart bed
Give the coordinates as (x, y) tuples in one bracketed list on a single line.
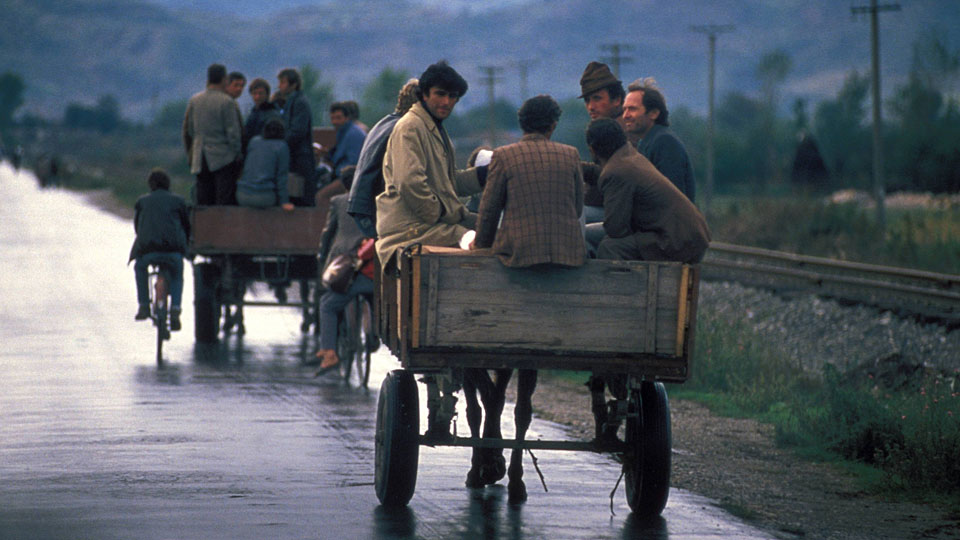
[(466, 309)]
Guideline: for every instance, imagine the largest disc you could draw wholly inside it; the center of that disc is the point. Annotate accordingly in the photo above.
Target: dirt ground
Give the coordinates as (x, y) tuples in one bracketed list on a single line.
[(736, 463)]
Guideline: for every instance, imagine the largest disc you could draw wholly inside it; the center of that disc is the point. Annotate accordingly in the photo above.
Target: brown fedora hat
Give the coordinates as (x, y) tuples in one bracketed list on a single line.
[(596, 76)]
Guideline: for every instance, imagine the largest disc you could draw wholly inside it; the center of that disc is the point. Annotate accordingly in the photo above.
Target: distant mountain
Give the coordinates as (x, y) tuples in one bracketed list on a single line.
[(146, 54)]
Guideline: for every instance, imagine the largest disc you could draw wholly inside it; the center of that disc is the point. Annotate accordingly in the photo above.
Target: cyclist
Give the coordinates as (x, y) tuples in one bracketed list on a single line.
[(341, 236), (162, 225)]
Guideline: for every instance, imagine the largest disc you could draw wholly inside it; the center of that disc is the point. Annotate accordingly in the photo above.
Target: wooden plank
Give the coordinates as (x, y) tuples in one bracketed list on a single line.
[(650, 328), (432, 295), (238, 229), (682, 308), (415, 316)]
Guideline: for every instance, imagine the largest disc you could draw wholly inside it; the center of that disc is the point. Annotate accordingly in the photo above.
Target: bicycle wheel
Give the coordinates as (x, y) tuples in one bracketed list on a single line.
[(344, 344), (160, 314), (364, 336)]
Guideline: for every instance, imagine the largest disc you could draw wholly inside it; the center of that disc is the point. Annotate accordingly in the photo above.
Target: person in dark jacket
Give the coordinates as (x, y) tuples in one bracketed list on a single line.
[(645, 115), (299, 134), (368, 180), (263, 110), (350, 137), (340, 236), (162, 225), (264, 180)]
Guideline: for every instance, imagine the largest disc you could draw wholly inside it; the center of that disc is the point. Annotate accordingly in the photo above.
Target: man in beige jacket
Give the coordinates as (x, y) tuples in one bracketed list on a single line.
[(212, 138), (420, 202)]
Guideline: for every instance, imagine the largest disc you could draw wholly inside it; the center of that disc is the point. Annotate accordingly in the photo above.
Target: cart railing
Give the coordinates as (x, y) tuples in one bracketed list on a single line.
[(452, 308), (219, 230)]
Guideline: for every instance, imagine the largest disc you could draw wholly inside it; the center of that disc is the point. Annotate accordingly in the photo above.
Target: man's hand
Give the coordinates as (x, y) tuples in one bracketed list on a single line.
[(287, 206)]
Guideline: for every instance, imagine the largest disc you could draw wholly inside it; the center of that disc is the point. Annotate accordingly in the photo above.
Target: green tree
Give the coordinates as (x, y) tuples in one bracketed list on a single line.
[(11, 97), (103, 117), (170, 116), (840, 125), (318, 92), (926, 149), (380, 96), (771, 71)]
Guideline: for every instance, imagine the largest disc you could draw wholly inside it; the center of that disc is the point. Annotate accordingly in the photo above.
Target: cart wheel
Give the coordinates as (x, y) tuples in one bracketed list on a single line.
[(206, 307), (397, 445), (647, 462)]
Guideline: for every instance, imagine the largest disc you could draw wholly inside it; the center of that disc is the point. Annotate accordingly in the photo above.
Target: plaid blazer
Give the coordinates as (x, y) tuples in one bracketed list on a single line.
[(538, 187)]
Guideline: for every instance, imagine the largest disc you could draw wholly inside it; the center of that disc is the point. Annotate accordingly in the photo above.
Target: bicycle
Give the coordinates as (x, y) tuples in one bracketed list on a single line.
[(356, 339), (160, 305)]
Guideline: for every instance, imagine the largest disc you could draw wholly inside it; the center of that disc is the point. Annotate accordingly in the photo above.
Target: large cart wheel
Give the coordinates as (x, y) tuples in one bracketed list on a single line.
[(647, 461), (397, 444), (206, 305)]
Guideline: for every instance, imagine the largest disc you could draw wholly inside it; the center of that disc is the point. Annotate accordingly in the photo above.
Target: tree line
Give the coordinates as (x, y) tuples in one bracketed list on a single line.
[(757, 149)]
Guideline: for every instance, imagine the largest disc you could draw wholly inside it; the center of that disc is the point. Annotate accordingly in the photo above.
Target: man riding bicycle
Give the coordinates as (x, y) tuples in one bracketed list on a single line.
[(162, 224)]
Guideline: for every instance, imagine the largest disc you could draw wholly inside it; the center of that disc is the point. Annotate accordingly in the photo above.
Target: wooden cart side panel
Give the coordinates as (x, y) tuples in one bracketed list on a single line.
[(692, 299), (237, 229), (602, 306)]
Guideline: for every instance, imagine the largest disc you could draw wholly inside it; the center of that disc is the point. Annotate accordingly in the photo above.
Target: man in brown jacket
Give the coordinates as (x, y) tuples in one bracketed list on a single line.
[(538, 187), (212, 136), (645, 216)]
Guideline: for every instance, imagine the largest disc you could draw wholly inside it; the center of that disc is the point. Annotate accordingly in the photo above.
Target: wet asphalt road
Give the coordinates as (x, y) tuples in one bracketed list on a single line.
[(235, 440)]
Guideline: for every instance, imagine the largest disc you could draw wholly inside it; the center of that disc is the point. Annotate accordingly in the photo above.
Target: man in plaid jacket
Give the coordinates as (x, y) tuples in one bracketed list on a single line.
[(537, 185)]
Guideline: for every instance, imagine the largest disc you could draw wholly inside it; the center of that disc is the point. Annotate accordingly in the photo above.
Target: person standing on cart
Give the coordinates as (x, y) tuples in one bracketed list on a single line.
[(162, 224), (420, 203), (212, 136)]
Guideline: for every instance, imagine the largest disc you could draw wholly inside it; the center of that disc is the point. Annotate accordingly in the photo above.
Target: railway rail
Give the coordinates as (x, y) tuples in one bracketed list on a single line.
[(928, 295)]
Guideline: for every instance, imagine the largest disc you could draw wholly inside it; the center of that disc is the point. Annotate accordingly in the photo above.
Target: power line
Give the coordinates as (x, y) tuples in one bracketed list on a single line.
[(712, 31), (523, 66), (491, 76), (616, 57), (879, 191)]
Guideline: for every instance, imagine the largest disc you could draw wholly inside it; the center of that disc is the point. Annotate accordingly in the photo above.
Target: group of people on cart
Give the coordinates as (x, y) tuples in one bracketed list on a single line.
[(398, 183)]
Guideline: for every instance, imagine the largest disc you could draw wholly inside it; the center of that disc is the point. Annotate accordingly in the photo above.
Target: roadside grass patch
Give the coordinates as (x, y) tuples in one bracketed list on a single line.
[(901, 442)]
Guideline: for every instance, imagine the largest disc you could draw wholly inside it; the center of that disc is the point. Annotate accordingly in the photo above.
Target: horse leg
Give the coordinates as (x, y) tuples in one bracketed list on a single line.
[(526, 384), (493, 397), (474, 417)]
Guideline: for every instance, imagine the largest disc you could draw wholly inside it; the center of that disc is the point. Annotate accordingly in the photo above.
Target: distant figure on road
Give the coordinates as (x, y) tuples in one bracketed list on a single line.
[(263, 109), (350, 137), (298, 125), (212, 138), (235, 83), (162, 225), (263, 183), (645, 115)]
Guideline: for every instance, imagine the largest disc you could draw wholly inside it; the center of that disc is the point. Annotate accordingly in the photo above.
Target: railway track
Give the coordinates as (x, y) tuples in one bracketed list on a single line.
[(928, 295)]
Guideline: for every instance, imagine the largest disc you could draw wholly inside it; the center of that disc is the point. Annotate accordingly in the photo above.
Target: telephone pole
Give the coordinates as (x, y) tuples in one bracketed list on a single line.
[(879, 192), (491, 76), (712, 31), (524, 67), (616, 57)]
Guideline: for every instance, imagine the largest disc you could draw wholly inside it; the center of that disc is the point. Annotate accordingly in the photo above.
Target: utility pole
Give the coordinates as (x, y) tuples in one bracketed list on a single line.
[(524, 67), (712, 31), (879, 192), (490, 78), (616, 57)]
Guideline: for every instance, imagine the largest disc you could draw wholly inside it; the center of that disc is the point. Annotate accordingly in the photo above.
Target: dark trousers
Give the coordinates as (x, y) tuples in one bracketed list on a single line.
[(217, 187)]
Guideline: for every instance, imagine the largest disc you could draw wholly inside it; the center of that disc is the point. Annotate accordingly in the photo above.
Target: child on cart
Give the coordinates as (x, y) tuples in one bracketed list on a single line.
[(162, 224)]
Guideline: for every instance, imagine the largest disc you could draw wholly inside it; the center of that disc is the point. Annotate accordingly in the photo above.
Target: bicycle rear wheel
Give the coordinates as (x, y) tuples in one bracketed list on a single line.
[(160, 309)]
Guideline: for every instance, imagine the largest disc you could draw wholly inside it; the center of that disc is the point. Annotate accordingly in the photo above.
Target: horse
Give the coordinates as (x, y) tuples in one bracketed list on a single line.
[(488, 464)]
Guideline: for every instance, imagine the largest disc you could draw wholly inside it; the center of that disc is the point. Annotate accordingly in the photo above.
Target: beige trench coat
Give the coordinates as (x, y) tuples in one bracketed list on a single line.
[(420, 201)]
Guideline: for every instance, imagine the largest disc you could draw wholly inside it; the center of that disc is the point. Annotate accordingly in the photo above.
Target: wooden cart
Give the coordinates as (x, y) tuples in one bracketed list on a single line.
[(234, 245), (445, 309)]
